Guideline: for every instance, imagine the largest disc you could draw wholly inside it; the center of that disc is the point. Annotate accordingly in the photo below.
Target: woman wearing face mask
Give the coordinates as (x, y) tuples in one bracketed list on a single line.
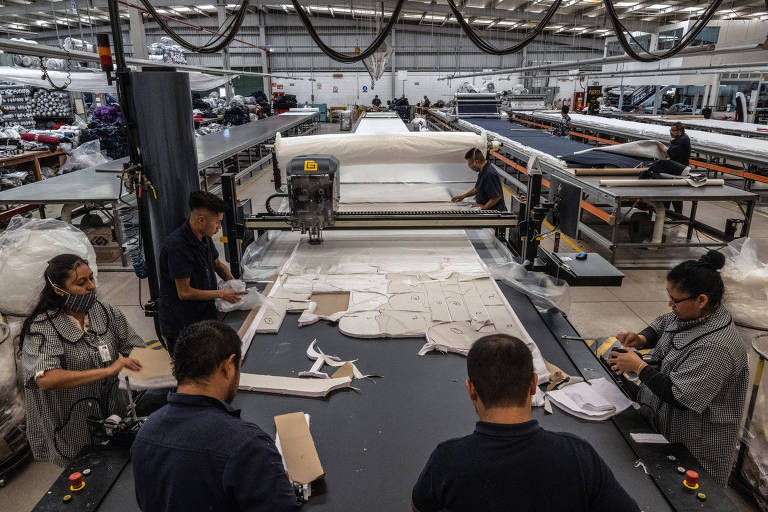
[(73, 346), (695, 380)]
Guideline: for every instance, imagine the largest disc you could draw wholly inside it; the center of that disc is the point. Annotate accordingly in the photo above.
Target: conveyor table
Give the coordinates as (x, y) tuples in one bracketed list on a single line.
[(374, 442)]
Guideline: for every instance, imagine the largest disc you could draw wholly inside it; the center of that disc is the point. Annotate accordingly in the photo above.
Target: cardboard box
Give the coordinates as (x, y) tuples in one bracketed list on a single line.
[(298, 449)]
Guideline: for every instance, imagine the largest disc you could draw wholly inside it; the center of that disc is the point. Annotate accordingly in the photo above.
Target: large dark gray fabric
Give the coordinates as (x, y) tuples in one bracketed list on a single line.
[(560, 147)]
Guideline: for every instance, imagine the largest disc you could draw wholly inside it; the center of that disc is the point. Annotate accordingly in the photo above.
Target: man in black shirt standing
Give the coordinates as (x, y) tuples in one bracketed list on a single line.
[(488, 192), (189, 263), (376, 101), (509, 461)]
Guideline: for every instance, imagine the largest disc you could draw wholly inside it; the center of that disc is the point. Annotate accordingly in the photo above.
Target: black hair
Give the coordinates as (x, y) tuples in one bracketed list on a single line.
[(679, 126), (56, 273), (700, 277), (201, 348), (474, 154), (564, 110), (200, 200), (500, 367)]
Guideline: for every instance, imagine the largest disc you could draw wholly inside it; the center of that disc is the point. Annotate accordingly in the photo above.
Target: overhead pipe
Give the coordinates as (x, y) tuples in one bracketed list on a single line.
[(696, 51), (687, 70), (39, 50)]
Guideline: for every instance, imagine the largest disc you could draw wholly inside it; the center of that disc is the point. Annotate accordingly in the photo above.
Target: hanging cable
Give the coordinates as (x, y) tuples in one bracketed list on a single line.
[(345, 57), (221, 38), (489, 48), (47, 77), (620, 29)]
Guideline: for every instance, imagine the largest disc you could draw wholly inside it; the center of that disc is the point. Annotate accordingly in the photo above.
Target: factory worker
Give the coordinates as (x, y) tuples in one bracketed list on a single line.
[(508, 461), (189, 263), (487, 191), (564, 128), (376, 101), (195, 453), (72, 348), (694, 382), (426, 103), (678, 154)]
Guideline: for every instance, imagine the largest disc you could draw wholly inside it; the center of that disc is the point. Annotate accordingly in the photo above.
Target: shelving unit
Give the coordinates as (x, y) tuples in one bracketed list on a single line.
[(16, 99)]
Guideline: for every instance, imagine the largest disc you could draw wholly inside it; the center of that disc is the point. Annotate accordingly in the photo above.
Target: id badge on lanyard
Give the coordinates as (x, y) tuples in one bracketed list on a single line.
[(104, 353)]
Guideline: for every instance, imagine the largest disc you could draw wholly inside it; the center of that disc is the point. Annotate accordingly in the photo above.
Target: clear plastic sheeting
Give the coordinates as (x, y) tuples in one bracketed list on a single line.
[(377, 62), (250, 300), (25, 248), (264, 257), (545, 292), (86, 155), (11, 400), (746, 284)]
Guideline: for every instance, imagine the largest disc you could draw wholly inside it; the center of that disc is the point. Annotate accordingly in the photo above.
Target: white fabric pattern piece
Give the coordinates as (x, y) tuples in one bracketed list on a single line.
[(597, 402)]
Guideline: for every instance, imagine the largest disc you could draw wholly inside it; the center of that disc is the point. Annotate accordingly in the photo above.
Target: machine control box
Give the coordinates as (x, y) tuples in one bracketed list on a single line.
[(313, 193)]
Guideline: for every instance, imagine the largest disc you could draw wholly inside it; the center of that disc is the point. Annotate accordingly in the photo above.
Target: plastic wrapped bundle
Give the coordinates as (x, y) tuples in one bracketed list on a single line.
[(745, 277), (111, 137), (25, 249)]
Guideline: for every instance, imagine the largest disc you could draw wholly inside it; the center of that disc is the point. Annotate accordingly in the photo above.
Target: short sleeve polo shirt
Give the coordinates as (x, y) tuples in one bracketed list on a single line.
[(185, 256)]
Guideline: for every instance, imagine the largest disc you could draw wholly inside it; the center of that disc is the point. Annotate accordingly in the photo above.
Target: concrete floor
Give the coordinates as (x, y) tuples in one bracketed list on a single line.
[(594, 311)]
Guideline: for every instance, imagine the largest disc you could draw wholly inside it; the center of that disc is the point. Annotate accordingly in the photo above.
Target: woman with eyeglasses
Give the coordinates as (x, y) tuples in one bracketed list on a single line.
[(695, 380), (72, 348)]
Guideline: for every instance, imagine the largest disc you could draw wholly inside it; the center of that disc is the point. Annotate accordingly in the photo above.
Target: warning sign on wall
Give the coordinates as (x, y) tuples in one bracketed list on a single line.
[(279, 86)]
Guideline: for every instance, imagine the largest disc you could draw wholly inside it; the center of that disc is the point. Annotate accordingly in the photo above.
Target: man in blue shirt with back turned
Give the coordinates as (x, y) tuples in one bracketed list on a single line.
[(510, 462), (488, 192), (195, 453)]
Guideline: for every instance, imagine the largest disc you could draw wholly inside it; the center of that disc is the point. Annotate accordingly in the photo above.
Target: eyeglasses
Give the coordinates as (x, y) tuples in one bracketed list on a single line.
[(678, 301)]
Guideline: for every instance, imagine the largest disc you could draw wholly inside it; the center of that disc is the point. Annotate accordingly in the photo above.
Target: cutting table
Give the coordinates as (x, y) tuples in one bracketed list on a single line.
[(374, 442), (520, 141)]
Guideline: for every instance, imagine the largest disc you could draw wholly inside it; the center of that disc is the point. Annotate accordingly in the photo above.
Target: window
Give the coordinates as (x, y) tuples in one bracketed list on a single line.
[(669, 38), (708, 35), (614, 47)]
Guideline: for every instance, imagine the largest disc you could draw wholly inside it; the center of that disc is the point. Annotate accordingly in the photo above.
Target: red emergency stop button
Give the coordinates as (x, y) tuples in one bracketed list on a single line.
[(691, 479), (76, 481)]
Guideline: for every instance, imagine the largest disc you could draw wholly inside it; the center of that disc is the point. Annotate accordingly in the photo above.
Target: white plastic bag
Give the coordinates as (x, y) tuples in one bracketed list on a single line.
[(25, 248), (746, 284), (86, 155), (250, 300)]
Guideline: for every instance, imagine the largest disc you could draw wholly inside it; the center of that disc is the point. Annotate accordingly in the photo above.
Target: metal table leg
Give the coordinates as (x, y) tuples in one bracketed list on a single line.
[(692, 220), (119, 234)]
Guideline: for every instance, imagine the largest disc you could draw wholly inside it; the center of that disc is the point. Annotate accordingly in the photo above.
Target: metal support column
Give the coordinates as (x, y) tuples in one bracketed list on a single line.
[(137, 35), (229, 194), (221, 10), (392, 67), (266, 81)]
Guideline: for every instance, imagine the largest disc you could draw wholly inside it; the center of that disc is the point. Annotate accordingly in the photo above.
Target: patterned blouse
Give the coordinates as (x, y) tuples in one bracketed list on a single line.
[(706, 362), (56, 426)]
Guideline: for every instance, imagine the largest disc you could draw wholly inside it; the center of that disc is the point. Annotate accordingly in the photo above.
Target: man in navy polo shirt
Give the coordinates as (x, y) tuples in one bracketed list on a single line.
[(195, 453), (510, 462), (488, 192), (189, 263)]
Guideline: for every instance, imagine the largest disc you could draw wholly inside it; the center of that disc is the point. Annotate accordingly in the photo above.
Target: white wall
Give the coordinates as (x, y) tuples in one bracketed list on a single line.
[(350, 87)]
